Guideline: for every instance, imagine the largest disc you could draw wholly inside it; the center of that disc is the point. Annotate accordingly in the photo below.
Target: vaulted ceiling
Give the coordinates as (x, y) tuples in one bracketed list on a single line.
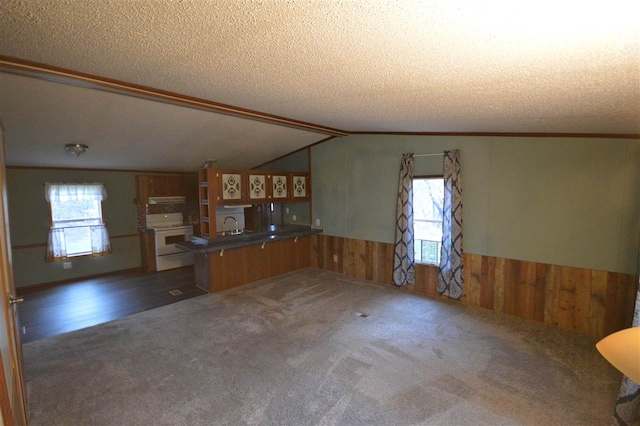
[(360, 65)]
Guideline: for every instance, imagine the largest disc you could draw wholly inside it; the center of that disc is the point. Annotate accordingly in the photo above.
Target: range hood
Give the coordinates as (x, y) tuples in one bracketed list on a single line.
[(166, 200)]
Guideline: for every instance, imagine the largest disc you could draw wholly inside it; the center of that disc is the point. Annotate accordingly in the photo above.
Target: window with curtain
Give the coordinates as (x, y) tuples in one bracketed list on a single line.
[(77, 228), (428, 199)]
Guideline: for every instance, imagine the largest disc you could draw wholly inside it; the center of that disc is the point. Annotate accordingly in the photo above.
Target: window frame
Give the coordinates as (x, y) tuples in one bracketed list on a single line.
[(51, 225), (438, 176)]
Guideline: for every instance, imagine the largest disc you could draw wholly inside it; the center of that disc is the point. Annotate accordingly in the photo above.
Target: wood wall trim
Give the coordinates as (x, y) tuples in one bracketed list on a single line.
[(147, 172), (296, 151), (115, 237), (507, 134), (39, 245), (592, 302), (77, 78)]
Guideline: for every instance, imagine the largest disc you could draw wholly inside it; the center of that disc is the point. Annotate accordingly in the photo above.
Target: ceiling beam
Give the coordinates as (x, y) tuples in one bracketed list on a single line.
[(80, 79), (76, 78)]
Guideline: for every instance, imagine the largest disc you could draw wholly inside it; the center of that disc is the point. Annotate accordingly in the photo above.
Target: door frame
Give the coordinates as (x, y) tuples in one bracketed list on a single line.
[(13, 402)]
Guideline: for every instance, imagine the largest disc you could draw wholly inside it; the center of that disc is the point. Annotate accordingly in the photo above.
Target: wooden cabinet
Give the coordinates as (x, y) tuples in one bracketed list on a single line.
[(240, 187), (190, 188), (207, 202), (251, 263), (163, 186), (280, 186), (300, 187), (231, 187), (259, 187), (219, 188)]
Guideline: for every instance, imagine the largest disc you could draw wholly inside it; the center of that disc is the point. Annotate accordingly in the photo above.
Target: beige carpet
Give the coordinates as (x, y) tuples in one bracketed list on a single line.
[(315, 347)]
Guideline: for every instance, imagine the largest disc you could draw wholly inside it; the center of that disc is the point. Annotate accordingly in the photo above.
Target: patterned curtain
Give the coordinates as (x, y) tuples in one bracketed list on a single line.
[(403, 267), (450, 275), (627, 411)]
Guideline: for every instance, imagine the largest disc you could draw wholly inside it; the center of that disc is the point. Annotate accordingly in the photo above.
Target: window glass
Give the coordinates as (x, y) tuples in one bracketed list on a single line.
[(76, 217), (428, 198)]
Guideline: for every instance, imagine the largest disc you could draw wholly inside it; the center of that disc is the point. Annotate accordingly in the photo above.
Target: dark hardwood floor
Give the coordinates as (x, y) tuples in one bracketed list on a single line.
[(57, 309)]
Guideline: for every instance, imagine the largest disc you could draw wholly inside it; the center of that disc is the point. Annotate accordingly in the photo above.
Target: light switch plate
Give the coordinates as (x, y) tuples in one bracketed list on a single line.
[(317, 222), (294, 217)]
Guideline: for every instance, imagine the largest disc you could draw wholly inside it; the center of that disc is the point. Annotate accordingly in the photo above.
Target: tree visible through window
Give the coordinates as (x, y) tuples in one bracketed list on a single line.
[(428, 198)]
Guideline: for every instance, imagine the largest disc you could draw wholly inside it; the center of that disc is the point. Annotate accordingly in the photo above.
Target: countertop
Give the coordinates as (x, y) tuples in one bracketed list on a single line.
[(275, 233)]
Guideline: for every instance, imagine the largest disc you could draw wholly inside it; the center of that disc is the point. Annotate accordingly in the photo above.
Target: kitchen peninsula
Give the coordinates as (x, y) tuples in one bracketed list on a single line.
[(233, 260)]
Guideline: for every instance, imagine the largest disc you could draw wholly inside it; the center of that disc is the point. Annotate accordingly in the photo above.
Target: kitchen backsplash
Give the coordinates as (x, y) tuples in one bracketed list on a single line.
[(189, 211)]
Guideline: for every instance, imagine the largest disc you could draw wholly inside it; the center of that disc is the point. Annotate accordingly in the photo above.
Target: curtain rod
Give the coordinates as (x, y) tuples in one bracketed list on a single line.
[(429, 155)]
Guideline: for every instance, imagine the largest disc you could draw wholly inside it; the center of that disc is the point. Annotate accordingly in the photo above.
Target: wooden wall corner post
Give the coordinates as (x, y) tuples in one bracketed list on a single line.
[(147, 250)]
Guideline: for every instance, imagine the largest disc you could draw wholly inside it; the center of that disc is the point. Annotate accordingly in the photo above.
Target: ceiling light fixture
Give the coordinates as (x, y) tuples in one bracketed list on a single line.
[(75, 148)]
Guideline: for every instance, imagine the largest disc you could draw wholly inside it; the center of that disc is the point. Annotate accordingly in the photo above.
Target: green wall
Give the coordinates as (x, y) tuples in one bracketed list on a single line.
[(296, 162), (563, 201), (29, 224)]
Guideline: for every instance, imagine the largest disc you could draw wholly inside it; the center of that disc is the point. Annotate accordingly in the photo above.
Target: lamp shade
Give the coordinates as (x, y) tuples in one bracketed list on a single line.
[(622, 350)]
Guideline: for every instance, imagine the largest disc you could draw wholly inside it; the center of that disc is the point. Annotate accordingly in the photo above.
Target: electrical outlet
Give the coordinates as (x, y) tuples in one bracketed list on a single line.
[(286, 210), (317, 222), (294, 218), (66, 265), (335, 258)]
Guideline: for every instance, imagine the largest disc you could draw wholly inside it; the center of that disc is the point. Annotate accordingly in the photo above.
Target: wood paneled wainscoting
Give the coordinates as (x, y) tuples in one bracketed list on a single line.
[(588, 301)]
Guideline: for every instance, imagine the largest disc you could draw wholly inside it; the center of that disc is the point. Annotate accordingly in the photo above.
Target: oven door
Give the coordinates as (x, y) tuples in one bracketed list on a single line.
[(167, 238)]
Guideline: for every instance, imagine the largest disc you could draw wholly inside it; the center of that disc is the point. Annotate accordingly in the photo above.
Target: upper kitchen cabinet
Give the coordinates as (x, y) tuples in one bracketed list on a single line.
[(280, 186), (259, 187), (166, 186), (239, 187), (218, 188), (300, 187), (190, 187), (231, 187)]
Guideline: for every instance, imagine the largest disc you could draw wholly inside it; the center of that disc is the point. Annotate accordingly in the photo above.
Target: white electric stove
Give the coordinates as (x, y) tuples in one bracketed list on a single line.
[(169, 229)]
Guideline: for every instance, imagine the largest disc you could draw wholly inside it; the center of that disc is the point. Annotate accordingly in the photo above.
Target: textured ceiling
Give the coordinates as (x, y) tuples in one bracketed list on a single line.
[(125, 132), (361, 65)]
